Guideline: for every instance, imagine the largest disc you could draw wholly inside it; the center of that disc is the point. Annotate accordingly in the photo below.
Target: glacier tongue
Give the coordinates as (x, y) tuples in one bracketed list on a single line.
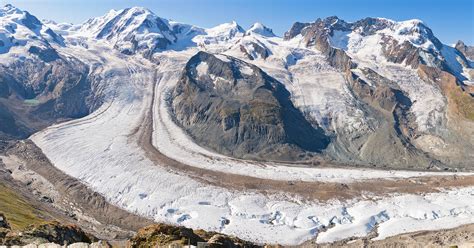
[(101, 151)]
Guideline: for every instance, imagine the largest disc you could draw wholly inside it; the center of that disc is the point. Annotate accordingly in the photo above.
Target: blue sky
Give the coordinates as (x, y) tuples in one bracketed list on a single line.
[(450, 20)]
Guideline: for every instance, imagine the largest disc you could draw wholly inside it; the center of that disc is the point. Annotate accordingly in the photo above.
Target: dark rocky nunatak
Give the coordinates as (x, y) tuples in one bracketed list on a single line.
[(237, 109)]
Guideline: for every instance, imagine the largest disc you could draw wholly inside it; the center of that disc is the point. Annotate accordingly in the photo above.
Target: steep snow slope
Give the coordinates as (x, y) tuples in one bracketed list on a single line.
[(131, 30), (259, 28), (19, 31), (38, 85), (219, 38)]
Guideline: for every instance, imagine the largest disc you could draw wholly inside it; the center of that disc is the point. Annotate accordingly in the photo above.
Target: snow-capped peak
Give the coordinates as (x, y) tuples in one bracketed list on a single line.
[(9, 14), (9, 9), (380, 37), (226, 29), (132, 29), (220, 34), (18, 28), (259, 28)]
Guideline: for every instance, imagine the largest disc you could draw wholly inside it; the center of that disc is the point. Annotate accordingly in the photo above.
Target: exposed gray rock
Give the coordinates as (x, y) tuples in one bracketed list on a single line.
[(237, 109), (389, 141), (467, 51), (47, 55), (316, 35), (295, 30), (256, 50)]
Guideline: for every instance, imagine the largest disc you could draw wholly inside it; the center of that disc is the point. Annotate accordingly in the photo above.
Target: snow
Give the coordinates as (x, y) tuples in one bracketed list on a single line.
[(101, 151), (19, 29), (405, 213), (260, 29), (428, 103), (202, 69), (247, 70), (459, 67), (340, 39), (172, 141), (413, 31), (121, 28), (218, 38), (225, 31)]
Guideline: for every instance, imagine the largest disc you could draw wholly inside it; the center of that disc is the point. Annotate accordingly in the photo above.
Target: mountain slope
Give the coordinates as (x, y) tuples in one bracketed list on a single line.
[(21, 29), (131, 30), (39, 85), (258, 28), (238, 110), (390, 104)]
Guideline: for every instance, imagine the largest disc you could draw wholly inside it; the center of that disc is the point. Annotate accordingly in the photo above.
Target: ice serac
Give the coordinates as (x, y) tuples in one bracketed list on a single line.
[(237, 109), (386, 93), (132, 30)]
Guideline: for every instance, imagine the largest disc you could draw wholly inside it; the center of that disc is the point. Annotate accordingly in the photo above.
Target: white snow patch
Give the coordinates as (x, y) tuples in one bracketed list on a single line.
[(202, 69)]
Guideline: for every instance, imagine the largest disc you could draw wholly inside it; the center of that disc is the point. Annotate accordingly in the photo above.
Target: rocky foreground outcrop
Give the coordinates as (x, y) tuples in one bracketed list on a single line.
[(237, 109), (162, 235), (157, 235), (49, 232)]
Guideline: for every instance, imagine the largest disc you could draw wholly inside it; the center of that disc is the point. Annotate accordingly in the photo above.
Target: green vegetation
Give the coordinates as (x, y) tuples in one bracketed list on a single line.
[(18, 211), (464, 103), (31, 102)]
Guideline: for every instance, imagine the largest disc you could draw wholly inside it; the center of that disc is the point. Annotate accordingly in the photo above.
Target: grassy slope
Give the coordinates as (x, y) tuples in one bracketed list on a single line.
[(18, 211)]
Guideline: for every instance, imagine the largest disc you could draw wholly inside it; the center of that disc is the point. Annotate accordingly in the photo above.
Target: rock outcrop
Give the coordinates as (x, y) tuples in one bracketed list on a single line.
[(467, 51), (159, 235), (51, 232), (237, 109)]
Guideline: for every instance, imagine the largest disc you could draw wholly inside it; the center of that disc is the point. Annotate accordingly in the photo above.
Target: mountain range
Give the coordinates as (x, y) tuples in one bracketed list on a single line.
[(370, 90), (153, 115)]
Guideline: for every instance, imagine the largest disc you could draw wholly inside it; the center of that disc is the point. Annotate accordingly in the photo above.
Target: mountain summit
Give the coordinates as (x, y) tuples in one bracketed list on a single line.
[(260, 29), (131, 30), (19, 28)]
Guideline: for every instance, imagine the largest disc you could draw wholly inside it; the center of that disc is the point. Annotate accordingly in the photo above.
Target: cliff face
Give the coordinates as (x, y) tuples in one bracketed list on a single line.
[(468, 51)]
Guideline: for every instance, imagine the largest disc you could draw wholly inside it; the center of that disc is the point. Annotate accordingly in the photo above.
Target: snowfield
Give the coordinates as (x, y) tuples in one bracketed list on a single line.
[(101, 151)]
